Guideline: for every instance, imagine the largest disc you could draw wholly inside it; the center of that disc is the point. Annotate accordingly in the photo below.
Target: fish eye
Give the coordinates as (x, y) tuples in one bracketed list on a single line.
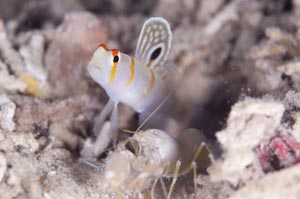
[(116, 59)]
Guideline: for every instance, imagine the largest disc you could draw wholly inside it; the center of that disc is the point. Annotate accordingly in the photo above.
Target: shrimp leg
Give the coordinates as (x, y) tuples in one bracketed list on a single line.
[(175, 176)]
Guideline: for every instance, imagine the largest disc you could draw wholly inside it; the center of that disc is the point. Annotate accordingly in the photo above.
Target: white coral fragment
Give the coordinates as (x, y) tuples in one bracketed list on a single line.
[(7, 112), (10, 82), (3, 166), (250, 123), (229, 13), (282, 184), (12, 57), (27, 74), (33, 55), (36, 75), (290, 68)]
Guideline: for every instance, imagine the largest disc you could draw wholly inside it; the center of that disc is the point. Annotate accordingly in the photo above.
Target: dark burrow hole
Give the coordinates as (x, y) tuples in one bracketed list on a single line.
[(277, 6), (211, 117)]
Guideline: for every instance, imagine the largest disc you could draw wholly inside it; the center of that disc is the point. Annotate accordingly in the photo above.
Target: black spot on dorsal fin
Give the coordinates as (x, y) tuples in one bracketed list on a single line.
[(155, 53)]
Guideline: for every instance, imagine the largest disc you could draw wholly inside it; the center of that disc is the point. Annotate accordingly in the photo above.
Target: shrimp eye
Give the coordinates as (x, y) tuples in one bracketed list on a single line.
[(116, 59)]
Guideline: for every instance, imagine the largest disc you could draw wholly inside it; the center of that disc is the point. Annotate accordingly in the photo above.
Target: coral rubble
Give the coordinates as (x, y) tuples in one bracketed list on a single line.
[(236, 74)]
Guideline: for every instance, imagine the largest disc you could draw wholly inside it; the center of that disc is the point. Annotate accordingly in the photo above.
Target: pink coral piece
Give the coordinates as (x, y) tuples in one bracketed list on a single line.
[(282, 151)]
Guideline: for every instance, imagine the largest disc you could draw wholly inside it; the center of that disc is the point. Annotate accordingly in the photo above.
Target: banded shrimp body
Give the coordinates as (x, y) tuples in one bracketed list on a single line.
[(140, 82), (155, 154)]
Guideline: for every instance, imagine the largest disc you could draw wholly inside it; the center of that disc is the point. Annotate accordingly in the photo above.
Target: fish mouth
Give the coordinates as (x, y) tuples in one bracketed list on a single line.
[(95, 72)]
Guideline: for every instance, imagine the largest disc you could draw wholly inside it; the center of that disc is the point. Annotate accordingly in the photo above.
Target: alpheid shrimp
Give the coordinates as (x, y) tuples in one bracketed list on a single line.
[(156, 154)]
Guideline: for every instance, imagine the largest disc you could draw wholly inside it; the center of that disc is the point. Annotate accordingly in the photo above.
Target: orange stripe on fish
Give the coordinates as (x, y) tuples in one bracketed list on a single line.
[(152, 82), (149, 63), (115, 54), (132, 71), (103, 46)]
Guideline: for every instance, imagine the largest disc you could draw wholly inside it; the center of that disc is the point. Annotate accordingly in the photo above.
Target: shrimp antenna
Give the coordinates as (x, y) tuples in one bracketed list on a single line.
[(128, 131), (155, 110), (162, 102)]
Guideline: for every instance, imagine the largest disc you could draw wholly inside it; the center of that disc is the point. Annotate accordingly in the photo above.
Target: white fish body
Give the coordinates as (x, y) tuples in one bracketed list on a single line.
[(139, 82), (133, 84)]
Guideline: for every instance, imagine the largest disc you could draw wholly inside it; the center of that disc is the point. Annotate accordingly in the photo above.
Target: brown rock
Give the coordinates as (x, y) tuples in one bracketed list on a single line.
[(68, 54)]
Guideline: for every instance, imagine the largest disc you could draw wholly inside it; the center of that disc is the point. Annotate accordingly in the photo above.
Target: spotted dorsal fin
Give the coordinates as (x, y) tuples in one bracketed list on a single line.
[(154, 43)]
